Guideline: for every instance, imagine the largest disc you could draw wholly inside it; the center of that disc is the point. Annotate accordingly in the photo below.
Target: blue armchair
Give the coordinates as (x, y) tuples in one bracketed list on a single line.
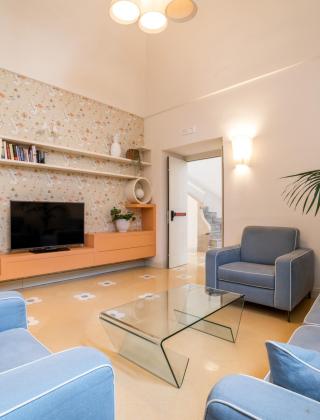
[(35, 384), (268, 267)]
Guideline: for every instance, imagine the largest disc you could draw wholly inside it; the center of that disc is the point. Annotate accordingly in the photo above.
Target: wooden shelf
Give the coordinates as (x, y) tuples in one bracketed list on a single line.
[(139, 206), (45, 166), (78, 152)]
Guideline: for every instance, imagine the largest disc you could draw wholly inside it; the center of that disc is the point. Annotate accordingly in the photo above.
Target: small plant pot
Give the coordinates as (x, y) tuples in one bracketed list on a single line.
[(122, 225)]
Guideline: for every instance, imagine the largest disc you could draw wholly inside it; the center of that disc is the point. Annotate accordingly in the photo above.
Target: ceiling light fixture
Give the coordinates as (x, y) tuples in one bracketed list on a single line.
[(154, 14), (124, 12)]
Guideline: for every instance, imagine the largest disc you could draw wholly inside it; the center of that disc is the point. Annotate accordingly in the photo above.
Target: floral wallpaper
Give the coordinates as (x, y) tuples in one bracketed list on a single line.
[(32, 110)]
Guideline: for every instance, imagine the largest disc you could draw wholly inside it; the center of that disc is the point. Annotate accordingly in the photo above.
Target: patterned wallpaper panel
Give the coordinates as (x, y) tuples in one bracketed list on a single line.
[(32, 110)]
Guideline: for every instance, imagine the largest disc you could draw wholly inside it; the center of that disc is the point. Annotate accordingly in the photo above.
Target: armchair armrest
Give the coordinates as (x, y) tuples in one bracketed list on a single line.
[(294, 278), (217, 257), (240, 397), (12, 311), (75, 384)]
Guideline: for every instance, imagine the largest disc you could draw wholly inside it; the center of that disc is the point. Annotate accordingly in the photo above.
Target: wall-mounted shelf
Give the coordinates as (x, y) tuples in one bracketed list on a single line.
[(78, 152), (48, 167)]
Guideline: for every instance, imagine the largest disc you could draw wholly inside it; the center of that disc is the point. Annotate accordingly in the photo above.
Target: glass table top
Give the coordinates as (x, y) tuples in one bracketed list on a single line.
[(157, 316)]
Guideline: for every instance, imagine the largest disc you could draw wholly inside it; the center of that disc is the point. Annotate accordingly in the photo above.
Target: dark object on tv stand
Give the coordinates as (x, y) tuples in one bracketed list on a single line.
[(49, 249)]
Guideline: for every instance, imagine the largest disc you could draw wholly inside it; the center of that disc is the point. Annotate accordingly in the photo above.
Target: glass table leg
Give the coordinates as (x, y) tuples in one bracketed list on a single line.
[(153, 356), (223, 324)]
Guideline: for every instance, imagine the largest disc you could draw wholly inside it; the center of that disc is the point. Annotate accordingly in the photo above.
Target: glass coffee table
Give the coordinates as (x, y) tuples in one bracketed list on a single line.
[(139, 330)]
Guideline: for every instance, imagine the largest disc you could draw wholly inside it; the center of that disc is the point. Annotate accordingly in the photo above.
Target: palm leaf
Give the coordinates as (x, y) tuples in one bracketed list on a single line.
[(304, 188)]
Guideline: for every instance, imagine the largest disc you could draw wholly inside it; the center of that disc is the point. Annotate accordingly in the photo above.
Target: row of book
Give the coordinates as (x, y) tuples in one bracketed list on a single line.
[(21, 153)]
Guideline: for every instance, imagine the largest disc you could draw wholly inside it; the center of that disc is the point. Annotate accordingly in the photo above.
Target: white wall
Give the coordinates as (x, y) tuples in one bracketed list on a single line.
[(76, 46), (284, 109), (229, 41)]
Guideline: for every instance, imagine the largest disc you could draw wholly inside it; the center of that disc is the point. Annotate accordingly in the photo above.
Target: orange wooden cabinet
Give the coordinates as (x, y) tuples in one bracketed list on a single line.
[(100, 248)]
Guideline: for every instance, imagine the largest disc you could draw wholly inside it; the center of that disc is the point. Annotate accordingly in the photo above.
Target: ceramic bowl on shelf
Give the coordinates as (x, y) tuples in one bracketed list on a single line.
[(139, 191)]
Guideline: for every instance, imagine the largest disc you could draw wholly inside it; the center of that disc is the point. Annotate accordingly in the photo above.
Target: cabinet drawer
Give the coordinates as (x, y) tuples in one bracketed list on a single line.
[(121, 255), (34, 267), (117, 240)]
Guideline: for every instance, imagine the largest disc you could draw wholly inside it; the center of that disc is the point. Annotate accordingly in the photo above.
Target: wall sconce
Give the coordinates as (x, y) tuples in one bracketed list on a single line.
[(242, 150), (242, 145)]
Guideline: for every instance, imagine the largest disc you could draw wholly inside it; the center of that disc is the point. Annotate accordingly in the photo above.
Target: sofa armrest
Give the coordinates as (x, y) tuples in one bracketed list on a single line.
[(12, 311), (217, 257), (294, 278), (240, 397), (75, 384)]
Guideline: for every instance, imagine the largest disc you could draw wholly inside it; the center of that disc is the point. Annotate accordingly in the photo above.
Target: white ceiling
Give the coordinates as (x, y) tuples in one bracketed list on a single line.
[(74, 44)]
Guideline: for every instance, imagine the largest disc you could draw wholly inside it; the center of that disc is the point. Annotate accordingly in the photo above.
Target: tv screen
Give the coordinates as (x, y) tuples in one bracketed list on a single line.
[(44, 224)]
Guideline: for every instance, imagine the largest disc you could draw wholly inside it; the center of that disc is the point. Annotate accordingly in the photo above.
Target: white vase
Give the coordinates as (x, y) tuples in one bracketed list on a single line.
[(122, 225), (115, 146)]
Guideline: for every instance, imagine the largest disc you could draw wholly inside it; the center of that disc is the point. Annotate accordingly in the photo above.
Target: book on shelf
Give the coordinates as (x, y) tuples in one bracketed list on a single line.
[(10, 151)]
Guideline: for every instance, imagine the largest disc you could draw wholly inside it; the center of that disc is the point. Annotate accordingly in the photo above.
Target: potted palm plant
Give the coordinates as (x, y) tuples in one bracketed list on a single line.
[(304, 191), (122, 220)]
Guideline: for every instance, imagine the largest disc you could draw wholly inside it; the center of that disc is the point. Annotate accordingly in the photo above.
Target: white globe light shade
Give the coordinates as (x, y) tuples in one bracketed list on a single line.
[(153, 22), (124, 12)]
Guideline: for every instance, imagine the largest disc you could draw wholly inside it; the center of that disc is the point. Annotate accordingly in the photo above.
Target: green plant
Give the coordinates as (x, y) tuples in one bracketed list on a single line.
[(117, 214), (304, 191)]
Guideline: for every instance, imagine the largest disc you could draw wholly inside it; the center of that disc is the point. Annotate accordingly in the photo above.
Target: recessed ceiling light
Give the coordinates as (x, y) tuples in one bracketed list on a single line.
[(181, 10), (153, 22), (124, 11)]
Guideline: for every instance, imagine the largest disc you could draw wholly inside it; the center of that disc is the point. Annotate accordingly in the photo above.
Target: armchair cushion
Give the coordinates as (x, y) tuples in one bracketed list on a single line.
[(240, 397), (74, 384), (217, 257), (248, 274), (12, 311), (313, 316), (263, 244), (17, 347), (295, 368)]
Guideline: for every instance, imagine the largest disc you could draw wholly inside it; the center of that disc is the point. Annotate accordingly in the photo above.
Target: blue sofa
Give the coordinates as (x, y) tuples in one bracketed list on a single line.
[(240, 397), (268, 267), (35, 384)]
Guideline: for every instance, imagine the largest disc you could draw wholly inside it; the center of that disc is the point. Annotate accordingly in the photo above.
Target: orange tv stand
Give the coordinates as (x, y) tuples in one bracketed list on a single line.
[(100, 248)]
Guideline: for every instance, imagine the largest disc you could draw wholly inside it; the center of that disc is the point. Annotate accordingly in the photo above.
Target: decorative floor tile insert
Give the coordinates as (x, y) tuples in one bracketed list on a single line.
[(147, 277), (84, 296), (116, 314), (32, 300), (32, 321), (106, 283), (184, 277), (149, 296)]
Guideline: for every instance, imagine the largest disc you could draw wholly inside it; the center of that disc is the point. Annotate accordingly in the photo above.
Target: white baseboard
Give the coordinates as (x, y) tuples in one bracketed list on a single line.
[(68, 276)]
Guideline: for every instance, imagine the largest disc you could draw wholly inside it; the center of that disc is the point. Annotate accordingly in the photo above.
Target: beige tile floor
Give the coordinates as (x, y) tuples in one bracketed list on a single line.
[(60, 321)]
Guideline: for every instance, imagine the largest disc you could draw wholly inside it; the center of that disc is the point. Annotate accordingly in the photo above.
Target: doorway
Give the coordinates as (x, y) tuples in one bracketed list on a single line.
[(195, 204), (204, 207)]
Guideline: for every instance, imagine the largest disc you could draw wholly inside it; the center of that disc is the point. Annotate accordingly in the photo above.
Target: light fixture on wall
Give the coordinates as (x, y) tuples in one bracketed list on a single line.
[(241, 138), (153, 15)]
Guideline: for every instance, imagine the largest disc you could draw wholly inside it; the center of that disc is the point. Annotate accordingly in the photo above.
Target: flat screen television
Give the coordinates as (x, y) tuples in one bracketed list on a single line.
[(40, 225)]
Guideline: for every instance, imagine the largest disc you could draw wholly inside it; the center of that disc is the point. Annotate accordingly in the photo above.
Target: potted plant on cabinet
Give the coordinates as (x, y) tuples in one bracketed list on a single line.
[(122, 220)]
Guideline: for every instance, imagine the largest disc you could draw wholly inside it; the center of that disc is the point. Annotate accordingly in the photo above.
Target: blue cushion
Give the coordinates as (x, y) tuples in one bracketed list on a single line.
[(307, 337), (263, 245), (17, 347), (256, 275), (313, 316), (295, 368)]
